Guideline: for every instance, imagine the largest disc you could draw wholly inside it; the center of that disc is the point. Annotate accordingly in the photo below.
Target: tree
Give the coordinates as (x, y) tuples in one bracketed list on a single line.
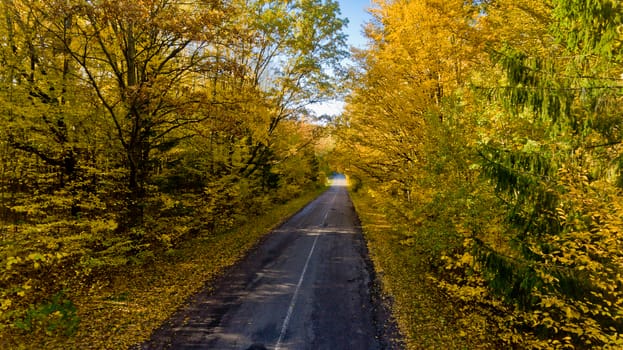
[(293, 51), (397, 115), (41, 99), (140, 60)]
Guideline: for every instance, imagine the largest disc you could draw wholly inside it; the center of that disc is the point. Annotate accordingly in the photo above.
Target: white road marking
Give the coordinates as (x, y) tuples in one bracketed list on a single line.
[(326, 214), (286, 321)]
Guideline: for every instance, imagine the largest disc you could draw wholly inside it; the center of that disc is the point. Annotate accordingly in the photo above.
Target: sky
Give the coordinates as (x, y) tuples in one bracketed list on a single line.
[(356, 12)]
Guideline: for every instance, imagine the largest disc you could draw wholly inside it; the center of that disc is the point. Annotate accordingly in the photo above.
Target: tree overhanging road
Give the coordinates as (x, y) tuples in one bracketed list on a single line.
[(307, 286)]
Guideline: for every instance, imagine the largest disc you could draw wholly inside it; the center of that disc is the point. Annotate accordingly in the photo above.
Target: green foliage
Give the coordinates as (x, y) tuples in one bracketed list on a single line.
[(56, 315), (589, 28), (403, 254)]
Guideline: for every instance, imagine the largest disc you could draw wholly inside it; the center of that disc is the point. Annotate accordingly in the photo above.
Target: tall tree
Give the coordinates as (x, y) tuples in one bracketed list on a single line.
[(293, 51), (556, 155), (139, 59), (412, 76), (41, 97)]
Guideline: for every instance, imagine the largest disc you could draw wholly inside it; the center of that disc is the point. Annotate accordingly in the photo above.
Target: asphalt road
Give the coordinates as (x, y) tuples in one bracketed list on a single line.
[(306, 286)]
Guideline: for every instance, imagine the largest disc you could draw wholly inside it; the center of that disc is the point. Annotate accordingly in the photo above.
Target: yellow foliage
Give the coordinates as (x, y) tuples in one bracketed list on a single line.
[(516, 181)]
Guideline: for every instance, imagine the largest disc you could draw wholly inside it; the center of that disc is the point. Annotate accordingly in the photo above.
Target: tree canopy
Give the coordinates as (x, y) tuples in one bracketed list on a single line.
[(495, 127), (130, 127)]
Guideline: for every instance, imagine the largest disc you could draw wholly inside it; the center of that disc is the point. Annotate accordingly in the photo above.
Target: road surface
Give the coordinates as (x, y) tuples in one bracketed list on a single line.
[(306, 286)]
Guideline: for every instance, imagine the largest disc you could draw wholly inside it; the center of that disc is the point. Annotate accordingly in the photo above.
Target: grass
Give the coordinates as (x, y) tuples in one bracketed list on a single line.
[(123, 309), (402, 255)]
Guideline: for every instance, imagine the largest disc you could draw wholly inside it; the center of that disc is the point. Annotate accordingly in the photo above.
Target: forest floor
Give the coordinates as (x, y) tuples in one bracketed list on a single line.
[(122, 308)]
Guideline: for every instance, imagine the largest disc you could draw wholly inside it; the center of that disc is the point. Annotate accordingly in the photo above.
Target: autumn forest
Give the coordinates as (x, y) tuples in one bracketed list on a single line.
[(490, 134), (146, 145), (129, 127)]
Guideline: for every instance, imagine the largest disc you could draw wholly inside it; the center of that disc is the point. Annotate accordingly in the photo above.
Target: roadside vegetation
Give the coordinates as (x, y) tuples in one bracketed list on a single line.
[(489, 142), (402, 259), (124, 307)]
